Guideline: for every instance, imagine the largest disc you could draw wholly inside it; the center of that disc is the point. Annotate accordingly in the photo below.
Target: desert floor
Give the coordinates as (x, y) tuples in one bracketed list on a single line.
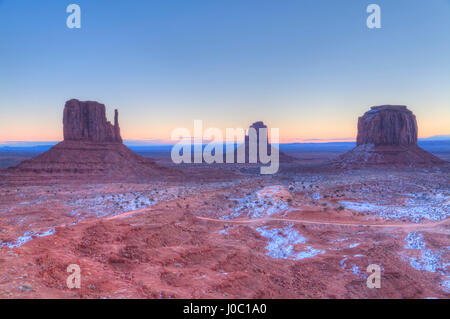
[(230, 233)]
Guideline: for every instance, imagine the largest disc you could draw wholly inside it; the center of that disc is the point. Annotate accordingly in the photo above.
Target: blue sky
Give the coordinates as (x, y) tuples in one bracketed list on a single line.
[(308, 67)]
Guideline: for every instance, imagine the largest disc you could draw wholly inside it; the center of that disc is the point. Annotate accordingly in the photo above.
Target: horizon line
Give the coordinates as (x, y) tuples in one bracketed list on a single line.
[(160, 142)]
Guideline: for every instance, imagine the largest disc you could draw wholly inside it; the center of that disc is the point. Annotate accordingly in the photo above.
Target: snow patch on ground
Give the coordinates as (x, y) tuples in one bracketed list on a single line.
[(354, 268), (430, 260), (446, 286), (416, 208), (26, 237), (316, 196), (265, 202), (414, 241), (281, 243), (113, 204)]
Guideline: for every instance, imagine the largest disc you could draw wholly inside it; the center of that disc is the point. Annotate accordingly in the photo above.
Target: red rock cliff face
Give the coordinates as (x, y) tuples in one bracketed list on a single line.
[(387, 125), (387, 137), (86, 121)]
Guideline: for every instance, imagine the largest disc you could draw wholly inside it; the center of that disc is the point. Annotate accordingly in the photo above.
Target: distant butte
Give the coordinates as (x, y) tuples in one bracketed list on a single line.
[(92, 147), (283, 157), (387, 136)]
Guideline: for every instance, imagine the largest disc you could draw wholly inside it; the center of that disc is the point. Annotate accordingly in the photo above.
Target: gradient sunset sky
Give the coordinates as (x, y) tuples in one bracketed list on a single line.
[(307, 67)]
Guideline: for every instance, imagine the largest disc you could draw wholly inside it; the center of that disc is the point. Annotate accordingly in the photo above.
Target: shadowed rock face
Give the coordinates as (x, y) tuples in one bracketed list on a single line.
[(387, 125), (86, 121)]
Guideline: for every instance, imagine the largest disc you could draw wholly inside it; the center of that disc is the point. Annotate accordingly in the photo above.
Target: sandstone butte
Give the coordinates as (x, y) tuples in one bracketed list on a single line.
[(387, 137), (92, 147), (86, 121), (283, 157)]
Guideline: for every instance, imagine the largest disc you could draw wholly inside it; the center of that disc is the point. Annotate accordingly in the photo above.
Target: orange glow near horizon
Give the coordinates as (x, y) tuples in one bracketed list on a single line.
[(297, 128), (311, 134)]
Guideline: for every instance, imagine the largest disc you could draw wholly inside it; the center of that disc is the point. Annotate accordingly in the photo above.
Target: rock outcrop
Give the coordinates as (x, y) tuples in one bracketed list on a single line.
[(257, 126), (387, 125), (387, 136), (92, 147), (86, 121)]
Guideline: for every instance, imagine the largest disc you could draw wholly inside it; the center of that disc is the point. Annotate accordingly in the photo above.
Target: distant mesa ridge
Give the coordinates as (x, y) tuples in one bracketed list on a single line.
[(387, 136)]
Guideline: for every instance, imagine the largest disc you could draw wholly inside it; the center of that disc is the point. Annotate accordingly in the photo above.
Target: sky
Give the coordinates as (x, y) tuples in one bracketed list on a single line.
[(307, 67)]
